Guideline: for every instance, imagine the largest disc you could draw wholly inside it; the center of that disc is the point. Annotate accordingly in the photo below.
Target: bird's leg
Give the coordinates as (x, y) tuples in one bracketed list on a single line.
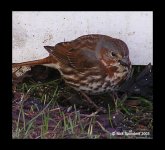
[(124, 97), (115, 99), (87, 98)]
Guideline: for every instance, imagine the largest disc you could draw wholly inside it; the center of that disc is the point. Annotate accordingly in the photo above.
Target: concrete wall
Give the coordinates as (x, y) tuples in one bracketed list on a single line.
[(33, 30)]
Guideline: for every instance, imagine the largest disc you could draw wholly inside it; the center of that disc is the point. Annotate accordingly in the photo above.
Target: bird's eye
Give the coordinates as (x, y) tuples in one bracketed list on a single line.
[(113, 54)]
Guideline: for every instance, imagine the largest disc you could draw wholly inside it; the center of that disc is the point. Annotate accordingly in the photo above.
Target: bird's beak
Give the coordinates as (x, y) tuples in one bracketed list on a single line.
[(125, 62)]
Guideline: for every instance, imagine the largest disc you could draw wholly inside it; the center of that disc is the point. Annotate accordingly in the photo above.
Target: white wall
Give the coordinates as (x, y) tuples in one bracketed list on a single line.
[(33, 30)]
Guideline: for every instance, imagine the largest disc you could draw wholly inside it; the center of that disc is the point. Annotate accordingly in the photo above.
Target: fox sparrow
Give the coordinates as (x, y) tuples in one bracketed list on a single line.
[(92, 64)]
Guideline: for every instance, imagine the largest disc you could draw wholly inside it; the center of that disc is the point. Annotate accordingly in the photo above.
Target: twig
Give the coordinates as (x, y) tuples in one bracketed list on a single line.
[(106, 131)]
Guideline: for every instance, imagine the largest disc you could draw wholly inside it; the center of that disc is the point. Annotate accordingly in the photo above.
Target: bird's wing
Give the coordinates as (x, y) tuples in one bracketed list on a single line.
[(79, 58), (79, 54)]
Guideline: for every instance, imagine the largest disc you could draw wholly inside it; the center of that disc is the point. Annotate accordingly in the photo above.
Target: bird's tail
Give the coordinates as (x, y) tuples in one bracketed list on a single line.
[(46, 60)]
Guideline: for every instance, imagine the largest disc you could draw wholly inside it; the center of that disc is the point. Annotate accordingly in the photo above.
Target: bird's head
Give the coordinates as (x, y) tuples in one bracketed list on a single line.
[(113, 52)]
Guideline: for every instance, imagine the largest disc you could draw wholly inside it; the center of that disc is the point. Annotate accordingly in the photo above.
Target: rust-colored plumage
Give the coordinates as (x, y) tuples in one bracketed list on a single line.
[(91, 63)]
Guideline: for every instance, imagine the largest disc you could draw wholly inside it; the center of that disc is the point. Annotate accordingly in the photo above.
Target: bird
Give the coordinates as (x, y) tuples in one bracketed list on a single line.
[(92, 64)]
